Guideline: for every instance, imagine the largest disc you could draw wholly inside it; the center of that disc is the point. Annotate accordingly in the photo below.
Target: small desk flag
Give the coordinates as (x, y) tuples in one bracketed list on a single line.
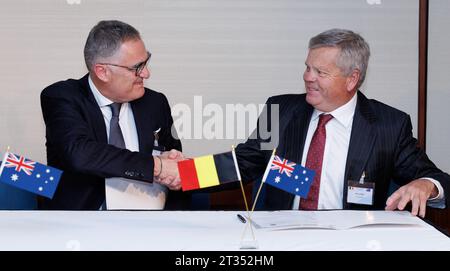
[(209, 170), (288, 176), (29, 175)]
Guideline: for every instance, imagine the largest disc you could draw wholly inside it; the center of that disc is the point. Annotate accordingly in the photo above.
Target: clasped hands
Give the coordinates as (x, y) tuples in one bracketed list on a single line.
[(166, 169)]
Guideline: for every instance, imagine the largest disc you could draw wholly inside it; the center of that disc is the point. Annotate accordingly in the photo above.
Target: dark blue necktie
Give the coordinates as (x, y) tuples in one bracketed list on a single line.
[(115, 134)]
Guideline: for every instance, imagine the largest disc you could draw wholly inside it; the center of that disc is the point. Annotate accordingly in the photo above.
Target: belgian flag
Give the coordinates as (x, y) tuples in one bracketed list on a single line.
[(209, 170)]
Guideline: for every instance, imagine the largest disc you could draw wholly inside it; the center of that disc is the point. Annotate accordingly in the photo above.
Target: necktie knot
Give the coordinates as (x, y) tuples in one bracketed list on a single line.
[(115, 109), (324, 119)]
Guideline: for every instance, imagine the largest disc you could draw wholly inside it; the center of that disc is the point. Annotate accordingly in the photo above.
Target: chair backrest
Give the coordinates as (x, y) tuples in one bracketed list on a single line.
[(200, 201), (12, 198), (392, 187)]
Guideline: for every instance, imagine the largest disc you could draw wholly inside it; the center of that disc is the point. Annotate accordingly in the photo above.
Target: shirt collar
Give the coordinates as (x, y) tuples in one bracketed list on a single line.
[(343, 114), (102, 101)]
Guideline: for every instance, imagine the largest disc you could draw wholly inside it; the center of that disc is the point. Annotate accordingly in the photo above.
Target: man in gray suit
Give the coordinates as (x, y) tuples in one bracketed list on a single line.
[(356, 145)]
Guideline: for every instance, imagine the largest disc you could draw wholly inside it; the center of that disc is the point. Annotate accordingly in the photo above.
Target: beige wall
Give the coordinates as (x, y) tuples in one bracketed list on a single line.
[(226, 51), (438, 125)]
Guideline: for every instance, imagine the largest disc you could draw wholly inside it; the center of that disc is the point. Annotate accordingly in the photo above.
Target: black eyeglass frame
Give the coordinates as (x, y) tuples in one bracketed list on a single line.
[(136, 68)]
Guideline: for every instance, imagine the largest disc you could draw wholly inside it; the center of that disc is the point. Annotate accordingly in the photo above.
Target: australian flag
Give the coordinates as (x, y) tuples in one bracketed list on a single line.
[(288, 176), (28, 175)]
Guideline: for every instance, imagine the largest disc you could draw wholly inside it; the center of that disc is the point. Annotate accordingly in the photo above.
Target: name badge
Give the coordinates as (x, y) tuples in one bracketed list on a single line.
[(360, 192), (157, 150)]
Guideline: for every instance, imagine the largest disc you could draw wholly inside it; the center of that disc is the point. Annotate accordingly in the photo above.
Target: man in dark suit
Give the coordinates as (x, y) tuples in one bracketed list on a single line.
[(354, 143), (103, 130)]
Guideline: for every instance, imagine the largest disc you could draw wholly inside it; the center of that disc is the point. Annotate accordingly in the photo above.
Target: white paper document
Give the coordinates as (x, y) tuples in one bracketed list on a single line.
[(335, 220)]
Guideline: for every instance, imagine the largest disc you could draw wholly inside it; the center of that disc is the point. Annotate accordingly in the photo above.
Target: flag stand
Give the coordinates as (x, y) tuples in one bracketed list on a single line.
[(246, 243), (250, 244)]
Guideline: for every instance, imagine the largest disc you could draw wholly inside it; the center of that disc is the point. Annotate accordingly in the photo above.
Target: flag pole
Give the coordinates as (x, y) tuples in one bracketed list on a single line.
[(256, 200), (242, 188), (245, 202), (260, 186), (4, 160)]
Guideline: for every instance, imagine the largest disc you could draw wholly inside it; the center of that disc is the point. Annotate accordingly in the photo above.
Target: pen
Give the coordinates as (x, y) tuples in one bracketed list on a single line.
[(241, 218)]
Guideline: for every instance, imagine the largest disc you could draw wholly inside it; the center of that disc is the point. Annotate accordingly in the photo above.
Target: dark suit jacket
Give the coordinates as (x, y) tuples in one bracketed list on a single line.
[(381, 144), (77, 143)]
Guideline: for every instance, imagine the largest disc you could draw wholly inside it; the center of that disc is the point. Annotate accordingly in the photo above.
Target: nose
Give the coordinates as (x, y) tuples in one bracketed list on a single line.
[(308, 76), (145, 73)]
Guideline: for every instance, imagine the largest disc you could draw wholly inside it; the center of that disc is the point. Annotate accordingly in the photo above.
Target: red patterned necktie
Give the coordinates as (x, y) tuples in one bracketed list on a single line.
[(314, 162)]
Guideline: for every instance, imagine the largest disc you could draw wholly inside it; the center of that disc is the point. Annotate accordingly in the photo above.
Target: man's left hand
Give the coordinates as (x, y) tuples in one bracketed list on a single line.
[(417, 191)]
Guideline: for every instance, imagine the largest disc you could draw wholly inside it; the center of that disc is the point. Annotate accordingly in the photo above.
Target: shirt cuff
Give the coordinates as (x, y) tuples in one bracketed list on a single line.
[(440, 195)]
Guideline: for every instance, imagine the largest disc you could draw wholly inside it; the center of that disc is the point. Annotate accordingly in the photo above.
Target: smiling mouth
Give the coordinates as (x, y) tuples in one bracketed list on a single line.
[(310, 89)]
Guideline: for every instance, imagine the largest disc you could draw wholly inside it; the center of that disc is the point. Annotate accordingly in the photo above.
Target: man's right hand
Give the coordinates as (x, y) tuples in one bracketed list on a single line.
[(166, 169), (173, 154)]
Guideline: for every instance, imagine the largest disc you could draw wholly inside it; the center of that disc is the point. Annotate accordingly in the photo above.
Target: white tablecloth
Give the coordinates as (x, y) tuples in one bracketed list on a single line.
[(211, 230)]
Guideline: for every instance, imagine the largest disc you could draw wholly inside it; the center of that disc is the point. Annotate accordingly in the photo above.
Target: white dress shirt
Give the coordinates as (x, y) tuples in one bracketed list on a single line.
[(122, 193), (338, 131)]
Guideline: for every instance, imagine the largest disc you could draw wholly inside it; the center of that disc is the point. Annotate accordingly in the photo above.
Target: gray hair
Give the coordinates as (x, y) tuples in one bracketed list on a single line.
[(354, 50), (105, 39)]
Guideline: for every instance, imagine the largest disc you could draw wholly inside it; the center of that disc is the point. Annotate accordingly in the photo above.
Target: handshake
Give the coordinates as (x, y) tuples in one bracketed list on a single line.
[(165, 171)]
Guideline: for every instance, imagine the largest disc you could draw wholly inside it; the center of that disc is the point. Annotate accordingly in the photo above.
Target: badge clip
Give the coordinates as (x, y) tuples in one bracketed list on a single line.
[(363, 177)]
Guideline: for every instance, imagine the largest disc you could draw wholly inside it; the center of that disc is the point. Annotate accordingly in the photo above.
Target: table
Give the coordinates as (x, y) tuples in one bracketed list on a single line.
[(194, 230)]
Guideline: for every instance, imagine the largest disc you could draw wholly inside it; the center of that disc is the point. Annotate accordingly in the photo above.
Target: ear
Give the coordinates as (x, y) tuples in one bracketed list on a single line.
[(101, 72), (352, 80)]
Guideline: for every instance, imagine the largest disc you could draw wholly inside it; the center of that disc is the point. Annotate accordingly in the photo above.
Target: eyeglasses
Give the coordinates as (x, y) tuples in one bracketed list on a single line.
[(136, 68)]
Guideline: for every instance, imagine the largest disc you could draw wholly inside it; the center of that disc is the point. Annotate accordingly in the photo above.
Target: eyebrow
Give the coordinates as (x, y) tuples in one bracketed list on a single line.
[(324, 69), (140, 63)]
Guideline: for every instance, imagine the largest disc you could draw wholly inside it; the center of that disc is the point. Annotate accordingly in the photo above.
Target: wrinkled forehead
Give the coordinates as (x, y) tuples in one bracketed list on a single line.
[(323, 56)]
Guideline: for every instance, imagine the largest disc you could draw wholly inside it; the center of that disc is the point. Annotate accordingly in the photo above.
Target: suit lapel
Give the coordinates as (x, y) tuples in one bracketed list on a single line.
[(362, 140), (94, 111), (295, 134)]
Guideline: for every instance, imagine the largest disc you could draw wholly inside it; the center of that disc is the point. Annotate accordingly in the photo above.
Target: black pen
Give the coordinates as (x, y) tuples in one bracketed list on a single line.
[(241, 218)]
